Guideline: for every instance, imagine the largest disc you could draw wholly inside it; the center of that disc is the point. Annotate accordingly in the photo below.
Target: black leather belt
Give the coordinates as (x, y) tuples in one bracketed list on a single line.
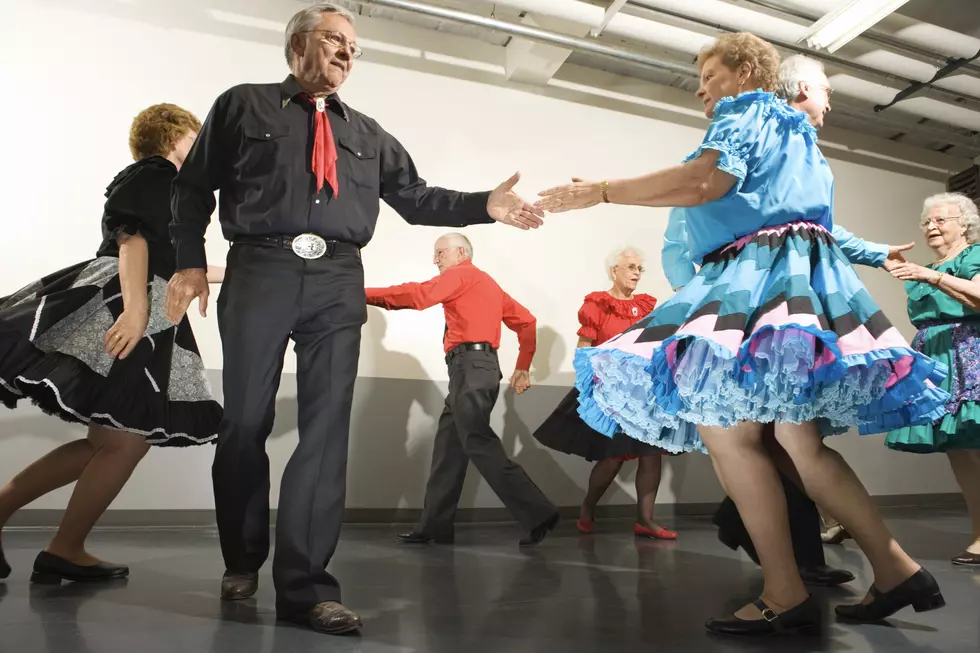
[(308, 246), (469, 346)]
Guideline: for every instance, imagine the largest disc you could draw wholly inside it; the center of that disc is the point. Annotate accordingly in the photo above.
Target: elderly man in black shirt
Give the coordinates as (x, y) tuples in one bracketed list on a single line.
[(300, 175)]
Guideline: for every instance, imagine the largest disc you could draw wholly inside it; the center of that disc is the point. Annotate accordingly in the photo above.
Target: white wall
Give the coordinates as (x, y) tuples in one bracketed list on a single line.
[(72, 94)]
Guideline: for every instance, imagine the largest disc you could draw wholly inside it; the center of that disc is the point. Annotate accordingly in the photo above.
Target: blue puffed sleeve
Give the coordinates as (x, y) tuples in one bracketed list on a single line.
[(675, 258), (859, 251), (736, 134)]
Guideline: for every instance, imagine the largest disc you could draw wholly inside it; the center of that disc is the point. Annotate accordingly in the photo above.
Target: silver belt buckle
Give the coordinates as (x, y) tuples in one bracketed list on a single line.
[(309, 246)]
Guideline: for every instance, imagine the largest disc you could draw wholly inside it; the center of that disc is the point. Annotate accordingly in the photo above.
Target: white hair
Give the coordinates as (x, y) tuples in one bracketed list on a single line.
[(456, 239), (793, 71), (967, 207), (308, 19), (618, 255)]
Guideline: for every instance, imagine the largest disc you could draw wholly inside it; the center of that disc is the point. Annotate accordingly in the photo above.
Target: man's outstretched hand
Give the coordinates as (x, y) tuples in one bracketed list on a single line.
[(507, 207)]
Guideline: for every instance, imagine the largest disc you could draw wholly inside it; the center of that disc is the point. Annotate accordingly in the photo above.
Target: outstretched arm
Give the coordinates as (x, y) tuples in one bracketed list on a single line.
[(696, 182), (417, 296), (418, 203), (862, 252)]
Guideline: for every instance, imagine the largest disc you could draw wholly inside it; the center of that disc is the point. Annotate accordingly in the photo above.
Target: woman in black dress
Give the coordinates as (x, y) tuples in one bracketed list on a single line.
[(92, 344)]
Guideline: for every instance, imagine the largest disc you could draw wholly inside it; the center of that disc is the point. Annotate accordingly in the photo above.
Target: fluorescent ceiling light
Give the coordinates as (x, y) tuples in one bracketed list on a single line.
[(847, 22)]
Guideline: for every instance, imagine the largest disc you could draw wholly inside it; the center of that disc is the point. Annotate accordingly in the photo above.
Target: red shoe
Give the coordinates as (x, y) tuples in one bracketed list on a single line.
[(585, 527), (659, 534)]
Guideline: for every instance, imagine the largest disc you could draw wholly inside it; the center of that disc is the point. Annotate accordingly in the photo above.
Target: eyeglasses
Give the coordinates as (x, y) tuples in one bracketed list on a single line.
[(633, 268), (939, 220), (338, 40)]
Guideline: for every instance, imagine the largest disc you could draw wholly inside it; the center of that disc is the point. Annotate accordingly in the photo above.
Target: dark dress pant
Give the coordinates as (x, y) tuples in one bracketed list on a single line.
[(464, 435), (269, 297)]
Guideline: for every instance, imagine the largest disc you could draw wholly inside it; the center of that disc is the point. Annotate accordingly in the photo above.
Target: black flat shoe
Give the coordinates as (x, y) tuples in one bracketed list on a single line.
[(4, 567), (804, 619), (421, 538), (921, 591), (50, 569), (825, 576), (964, 558)]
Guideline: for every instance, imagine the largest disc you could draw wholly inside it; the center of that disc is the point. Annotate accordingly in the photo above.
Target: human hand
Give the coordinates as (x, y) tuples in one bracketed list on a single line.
[(580, 194), (507, 207), (895, 257), (185, 286), (520, 380), (123, 336), (914, 272)]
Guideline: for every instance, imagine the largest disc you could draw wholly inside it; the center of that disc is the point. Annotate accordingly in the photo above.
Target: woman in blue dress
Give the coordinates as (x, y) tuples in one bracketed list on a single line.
[(775, 327)]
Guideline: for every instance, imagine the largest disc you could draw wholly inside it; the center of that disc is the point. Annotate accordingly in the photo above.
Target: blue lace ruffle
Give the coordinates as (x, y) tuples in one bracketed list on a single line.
[(774, 377)]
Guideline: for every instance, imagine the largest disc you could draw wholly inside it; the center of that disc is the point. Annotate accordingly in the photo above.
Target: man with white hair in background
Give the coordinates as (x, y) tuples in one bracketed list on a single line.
[(804, 86), (474, 306), (297, 224)]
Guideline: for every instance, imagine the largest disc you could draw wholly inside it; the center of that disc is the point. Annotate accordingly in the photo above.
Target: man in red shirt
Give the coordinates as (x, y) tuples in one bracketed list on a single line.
[(475, 306)]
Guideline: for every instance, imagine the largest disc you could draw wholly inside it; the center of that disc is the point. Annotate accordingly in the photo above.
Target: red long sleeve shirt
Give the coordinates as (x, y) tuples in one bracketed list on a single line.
[(474, 305)]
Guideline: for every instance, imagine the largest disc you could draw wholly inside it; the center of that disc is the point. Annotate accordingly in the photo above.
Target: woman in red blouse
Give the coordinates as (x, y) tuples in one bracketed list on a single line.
[(604, 315)]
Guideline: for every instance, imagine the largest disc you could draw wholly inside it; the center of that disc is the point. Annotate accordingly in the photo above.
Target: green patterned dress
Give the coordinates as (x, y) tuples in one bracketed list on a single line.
[(949, 332)]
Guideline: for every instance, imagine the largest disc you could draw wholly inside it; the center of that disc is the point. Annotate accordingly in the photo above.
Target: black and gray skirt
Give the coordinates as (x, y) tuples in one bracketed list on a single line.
[(52, 352), (565, 431)]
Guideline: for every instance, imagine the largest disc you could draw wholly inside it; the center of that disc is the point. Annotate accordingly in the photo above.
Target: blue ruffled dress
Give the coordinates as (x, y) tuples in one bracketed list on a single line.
[(776, 325)]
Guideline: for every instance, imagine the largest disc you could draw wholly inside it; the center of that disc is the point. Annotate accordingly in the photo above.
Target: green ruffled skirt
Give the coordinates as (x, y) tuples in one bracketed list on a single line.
[(956, 345)]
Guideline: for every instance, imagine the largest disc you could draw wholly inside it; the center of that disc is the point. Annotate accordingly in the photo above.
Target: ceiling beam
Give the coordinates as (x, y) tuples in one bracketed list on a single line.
[(533, 62), (612, 11)]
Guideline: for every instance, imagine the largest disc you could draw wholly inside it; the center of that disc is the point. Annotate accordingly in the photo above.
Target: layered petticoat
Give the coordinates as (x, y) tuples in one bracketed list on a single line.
[(775, 327)]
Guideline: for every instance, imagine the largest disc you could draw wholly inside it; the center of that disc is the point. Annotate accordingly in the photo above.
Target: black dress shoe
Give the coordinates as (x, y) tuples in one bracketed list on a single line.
[(329, 617), (804, 619), (825, 576), (534, 537), (921, 591), (50, 569), (964, 558), (238, 585), (421, 538), (4, 567)]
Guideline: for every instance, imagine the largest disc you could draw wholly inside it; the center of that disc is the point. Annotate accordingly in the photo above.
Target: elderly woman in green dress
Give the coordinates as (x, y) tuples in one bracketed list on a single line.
[(944, 304)]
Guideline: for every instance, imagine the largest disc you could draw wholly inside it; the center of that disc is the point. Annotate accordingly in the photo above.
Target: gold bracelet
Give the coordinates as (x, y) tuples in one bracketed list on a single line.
[(604, 187), (939, 279)]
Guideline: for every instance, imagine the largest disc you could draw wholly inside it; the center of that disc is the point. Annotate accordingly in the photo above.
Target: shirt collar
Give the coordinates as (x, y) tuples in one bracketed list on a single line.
[(290, 88)]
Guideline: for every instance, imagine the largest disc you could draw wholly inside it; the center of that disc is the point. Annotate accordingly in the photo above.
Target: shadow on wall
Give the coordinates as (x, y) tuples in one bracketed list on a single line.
[(390, 441), (524, 413)]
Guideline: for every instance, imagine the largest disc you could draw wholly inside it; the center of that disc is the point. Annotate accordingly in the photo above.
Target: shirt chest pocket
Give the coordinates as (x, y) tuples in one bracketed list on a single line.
[(358, 163), (266, 148)]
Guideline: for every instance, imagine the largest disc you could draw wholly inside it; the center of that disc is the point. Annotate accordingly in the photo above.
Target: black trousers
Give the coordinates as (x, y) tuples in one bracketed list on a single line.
[(270, 296), (804, 526), (465, 435)]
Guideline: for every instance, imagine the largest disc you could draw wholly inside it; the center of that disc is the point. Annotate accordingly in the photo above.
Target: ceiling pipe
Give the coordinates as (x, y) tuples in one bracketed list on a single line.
[(691, 42), (874, 35), (538, 35), (784, 34), (592, 47)]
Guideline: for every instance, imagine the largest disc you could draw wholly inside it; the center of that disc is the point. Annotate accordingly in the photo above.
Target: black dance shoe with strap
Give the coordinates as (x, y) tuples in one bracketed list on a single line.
[(921, 591), (804, 619)]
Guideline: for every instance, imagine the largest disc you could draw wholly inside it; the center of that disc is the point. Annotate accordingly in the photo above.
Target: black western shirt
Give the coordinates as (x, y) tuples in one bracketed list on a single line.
[(255, 147)]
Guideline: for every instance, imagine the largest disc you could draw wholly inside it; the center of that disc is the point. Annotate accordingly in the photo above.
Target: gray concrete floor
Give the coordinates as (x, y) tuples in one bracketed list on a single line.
[(574, 594)]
